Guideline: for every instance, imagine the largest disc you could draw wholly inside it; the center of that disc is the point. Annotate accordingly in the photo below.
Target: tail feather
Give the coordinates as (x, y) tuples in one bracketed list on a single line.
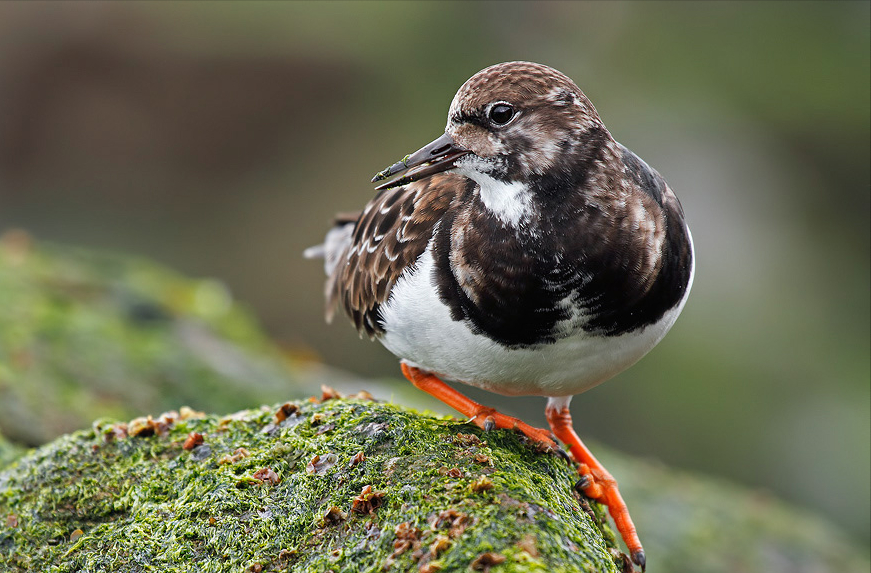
[(315, 252), (333, 250)]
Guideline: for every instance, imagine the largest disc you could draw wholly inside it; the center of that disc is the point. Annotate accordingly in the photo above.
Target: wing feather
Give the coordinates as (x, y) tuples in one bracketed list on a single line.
[(388, 236)]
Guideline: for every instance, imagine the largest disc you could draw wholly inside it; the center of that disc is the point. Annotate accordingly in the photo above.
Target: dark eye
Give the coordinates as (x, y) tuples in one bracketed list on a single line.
[(501, 113)]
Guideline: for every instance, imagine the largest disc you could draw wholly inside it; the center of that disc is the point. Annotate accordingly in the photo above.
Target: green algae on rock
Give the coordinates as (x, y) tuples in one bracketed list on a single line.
[(287, 489), (85, 334)]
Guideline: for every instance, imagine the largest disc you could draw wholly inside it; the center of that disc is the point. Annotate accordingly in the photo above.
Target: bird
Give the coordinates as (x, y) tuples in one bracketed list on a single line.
[(524, 252)]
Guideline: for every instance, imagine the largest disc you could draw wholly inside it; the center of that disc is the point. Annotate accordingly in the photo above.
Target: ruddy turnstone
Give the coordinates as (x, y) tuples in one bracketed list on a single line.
[(524, 252)]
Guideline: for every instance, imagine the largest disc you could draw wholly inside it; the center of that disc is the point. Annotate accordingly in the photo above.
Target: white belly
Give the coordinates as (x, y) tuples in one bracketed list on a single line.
[(419, 329)]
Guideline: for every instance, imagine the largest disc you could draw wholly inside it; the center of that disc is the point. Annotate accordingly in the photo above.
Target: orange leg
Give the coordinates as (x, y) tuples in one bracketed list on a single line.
[(599, 484), (484, 417)]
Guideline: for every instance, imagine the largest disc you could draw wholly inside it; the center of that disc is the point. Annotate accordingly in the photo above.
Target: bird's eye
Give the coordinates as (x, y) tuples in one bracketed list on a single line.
[(501, 113)]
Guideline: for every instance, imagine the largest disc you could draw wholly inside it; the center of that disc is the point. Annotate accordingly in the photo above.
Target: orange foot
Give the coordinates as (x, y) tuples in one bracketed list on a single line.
[(595, 482), (484, 417)]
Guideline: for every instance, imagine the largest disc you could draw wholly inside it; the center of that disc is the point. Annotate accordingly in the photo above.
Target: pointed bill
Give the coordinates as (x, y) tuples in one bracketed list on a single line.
[(434, 157)]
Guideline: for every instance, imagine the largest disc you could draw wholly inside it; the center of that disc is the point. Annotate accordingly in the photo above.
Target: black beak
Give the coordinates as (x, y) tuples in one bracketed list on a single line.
[(435, 157)]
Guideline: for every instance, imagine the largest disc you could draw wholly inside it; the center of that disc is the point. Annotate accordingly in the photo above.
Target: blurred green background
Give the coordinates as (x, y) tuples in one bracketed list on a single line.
[(219, 138)]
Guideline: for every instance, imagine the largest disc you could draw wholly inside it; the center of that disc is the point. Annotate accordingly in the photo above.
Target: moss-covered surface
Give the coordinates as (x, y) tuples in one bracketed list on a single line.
[(429, 494), (85, 334)]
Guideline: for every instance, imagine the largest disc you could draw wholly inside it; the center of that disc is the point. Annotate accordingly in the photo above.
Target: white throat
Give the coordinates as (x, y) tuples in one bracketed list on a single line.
[(510, 202)]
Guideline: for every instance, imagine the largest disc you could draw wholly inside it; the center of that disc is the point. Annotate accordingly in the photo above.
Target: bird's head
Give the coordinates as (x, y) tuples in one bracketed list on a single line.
[(510, 122)]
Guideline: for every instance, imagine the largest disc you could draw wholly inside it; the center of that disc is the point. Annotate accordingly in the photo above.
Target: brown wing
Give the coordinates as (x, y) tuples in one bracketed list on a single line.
[(390, 235)]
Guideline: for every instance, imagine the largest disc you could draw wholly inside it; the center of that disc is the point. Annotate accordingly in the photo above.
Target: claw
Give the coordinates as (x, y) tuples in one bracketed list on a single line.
[(489, 424), (639, 559), (584, 482), (564, 455)]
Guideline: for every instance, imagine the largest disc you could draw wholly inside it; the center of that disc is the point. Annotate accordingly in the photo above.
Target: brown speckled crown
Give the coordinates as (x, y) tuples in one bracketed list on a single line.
[(522, 80), (526, 84)]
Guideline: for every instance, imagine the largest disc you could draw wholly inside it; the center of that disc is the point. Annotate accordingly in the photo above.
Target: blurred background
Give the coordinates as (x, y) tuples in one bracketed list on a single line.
[(219, 138)]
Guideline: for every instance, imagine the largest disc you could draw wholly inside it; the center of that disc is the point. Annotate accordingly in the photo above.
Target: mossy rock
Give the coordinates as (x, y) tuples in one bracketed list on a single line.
[(85, 334), (132, 497), (427, 494)]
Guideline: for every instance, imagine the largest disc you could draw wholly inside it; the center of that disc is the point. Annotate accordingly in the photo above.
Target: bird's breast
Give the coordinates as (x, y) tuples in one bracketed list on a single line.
[(420, 327)]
